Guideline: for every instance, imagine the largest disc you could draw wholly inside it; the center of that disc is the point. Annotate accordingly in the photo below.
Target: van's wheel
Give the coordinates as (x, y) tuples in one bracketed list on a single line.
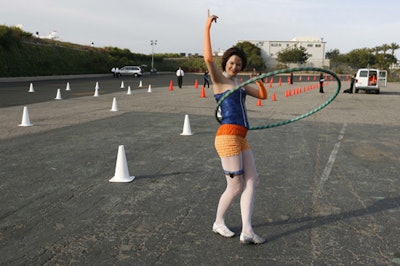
[(356, 91), (377, 91)]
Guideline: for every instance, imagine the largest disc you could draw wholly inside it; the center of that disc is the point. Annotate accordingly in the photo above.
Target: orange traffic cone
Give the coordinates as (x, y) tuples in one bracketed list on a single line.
[(259, 102), (274, 97), (171, 87), (203, 92), (196, 84), (280, 81)]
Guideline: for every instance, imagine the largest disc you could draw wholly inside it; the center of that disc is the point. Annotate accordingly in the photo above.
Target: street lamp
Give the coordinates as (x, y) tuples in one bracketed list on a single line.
[(152, 43)]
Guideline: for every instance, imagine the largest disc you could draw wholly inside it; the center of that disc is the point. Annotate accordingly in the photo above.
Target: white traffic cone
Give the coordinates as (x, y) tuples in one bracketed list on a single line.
[(122, 85), (114, 107), (129, 90), (97, 86), (58, 96), (149, 89), (31, 89), (67, 88), (96, 93), (140, 84), (121, 168), (187, 131), (25, 122)]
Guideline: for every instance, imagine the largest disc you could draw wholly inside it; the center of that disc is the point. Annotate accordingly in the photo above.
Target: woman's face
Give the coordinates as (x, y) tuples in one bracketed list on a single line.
[(233, 65)]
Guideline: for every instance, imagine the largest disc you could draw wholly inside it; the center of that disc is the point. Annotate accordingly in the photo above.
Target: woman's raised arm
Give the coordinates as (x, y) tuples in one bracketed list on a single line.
[(207, 50)]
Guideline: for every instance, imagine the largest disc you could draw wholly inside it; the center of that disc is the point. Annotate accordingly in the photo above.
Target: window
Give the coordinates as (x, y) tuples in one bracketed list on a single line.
[(275, 45), (363, 73)]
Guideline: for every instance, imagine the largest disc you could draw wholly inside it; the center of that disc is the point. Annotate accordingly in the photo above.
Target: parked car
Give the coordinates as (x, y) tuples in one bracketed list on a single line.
[(131, 70)]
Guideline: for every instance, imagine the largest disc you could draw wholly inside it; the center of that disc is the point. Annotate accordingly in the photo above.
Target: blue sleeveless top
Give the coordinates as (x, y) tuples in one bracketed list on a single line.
[(233, 108)]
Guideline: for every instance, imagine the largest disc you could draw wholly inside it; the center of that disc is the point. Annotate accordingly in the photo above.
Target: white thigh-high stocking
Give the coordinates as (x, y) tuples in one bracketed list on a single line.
[(233, 186), (251, 181)]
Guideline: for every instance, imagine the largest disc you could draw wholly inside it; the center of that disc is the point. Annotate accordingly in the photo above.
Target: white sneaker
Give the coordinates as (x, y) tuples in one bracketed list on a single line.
[(222, 230)]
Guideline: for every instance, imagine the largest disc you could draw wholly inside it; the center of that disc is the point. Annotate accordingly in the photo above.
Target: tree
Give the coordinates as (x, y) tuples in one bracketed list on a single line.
[(393, 46), (385, 48), (293, 55), (332, 54), (384, 61), (254, 59), (360, 58)]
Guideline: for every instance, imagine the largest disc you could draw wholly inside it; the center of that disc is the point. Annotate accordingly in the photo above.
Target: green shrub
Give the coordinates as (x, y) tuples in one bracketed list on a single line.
[(22, 54)]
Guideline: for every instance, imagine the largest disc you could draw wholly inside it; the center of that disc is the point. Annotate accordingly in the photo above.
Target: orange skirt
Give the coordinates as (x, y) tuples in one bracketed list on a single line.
[(231, 140)]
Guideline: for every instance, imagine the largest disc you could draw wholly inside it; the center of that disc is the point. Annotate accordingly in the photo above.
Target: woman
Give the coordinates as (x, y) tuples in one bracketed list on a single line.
[(230, 142)]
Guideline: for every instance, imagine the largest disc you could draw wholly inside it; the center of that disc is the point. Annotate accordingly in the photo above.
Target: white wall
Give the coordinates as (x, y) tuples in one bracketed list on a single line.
[(270, 50)]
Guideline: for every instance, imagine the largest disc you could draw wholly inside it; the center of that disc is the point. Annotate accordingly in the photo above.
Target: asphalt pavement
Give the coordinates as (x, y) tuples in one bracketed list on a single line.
[(329, 191)]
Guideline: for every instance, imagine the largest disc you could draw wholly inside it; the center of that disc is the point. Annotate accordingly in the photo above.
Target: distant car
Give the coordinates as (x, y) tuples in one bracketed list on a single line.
[(153, 70), (131, 70)]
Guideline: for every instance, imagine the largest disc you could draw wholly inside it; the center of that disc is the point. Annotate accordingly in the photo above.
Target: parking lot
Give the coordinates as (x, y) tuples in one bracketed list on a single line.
[(329, 191)]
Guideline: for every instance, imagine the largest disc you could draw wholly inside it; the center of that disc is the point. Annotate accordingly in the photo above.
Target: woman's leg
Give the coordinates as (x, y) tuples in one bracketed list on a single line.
[(250, 184), (233, 186)]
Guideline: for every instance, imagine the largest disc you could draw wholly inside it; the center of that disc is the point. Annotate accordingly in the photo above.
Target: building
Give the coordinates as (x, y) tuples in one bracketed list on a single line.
[(270, 49), (395, 66)]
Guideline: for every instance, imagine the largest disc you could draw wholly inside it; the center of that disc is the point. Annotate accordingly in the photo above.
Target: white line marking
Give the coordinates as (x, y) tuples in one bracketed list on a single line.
[(331, 160)]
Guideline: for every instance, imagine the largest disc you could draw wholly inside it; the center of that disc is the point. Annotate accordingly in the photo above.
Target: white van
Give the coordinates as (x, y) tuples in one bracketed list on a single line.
[(370, 79)]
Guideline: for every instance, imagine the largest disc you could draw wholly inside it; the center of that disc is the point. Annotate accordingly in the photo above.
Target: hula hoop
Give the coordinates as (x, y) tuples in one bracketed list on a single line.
[(282, 71)]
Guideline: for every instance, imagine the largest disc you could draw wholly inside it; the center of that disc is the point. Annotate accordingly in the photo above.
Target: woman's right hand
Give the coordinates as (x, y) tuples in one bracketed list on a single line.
[(211, 18)]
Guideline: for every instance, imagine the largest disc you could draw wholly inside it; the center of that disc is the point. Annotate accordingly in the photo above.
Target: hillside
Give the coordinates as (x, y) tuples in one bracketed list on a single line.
[(22, 54)]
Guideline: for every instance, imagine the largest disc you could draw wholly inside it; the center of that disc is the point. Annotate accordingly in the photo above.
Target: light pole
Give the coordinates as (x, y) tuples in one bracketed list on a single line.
[(152, 43)]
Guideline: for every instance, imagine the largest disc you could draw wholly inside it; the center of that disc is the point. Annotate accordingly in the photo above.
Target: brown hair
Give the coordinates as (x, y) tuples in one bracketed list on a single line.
[(234, 51)]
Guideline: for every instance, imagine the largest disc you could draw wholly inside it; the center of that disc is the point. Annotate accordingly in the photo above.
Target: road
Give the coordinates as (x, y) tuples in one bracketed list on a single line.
[(13, 90), (329, 191)]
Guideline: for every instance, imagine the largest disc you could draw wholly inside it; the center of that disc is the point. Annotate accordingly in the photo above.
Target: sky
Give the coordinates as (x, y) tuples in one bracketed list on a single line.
[(178, 25)]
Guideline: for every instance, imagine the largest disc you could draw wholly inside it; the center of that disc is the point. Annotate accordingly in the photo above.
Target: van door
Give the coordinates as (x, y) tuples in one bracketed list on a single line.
[(362, 78), (382, 79)]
